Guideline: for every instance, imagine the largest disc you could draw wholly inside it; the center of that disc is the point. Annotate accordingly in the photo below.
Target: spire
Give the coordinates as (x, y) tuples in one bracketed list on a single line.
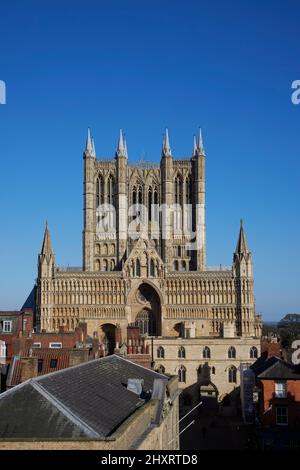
[(125, 147), (121, 151), (200, 146), (93, 148), (47, 245), (195, 147), (166, 149), (88, 145), (242, 247)]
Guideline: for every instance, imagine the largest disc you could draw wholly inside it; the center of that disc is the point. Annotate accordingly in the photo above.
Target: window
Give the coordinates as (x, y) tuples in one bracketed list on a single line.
[(231, 353), (152, 268), (183, 266), (280, 389), (213, 370), (160, 352), (40, 365), (181, 352), (55, 345), (175, 265), (7, 326), (53, 363), (138, 268), (146, 322), (282, 415), (36, 345), (253, 353), (232, 374), (182, 374), (206, 353), (2, 349)]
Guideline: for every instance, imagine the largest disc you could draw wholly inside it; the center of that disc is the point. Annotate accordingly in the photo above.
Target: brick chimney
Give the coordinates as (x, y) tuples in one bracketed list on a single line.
[(29, 368)]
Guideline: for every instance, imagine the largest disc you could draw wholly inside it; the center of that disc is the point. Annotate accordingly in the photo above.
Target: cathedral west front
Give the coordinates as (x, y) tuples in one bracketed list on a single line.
[(144, 265)]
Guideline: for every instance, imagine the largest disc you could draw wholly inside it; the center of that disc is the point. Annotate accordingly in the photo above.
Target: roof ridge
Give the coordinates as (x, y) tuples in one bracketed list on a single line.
[(150, 370), (65, 410)]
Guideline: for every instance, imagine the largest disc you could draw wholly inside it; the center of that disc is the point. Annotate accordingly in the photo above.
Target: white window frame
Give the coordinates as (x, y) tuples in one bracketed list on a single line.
[(280, 389), (281, 415), (36, 345), (7, 322), (2, 350), (55, 345)]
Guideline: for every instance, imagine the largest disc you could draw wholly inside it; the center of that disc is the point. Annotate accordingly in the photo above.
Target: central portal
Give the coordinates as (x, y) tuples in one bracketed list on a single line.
[(148, 308)]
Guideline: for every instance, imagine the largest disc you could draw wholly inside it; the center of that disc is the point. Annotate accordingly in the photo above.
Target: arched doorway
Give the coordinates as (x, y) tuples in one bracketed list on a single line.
[(147, 306), (108, 336)]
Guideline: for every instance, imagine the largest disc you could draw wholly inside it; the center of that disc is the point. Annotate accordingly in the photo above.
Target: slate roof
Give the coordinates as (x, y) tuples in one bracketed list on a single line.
[(263, 363), (88, 400), (281, 370)]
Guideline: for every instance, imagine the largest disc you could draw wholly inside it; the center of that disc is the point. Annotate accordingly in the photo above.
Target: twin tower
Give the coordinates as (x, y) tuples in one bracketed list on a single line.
[(163, 203)]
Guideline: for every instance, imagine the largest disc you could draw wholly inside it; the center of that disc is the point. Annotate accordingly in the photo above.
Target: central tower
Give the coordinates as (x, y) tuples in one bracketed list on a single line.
[(170, 195)]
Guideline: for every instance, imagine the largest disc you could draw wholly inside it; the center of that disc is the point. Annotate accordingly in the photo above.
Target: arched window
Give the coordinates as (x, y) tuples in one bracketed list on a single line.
[(110, 189), (187, 191), (182, 374), (181, 352), (178, 203), (213, 370), (179, 250), (134, 198), (112, 265), (206, 353), (137, 268), (150, 201), (178, 190), (175, 265), (183, 266), (232, 374), (152, 268), (140, 195), (146, 322), (99, 191), (160, 352), (253, 352), (231, 353), (97, 249)]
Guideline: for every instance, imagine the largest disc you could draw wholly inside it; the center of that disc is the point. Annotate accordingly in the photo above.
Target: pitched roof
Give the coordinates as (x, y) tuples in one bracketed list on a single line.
[(90, 400), (281, 370)]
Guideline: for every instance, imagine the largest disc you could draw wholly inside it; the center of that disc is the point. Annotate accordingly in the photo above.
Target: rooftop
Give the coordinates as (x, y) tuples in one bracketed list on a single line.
[(88, 400)]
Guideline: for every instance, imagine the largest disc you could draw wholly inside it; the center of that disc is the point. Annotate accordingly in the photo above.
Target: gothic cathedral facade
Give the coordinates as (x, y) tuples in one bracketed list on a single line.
[(144, 265)]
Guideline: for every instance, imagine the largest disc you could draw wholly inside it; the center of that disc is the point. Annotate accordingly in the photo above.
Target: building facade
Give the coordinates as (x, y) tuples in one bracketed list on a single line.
[(144, 265)]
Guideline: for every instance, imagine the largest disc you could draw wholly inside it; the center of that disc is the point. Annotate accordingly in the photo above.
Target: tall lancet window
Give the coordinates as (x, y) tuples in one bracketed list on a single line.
[(134, 193), (140, 195), (99, 191), (178, 203), (110, 190), (187, 190), (150, 202)]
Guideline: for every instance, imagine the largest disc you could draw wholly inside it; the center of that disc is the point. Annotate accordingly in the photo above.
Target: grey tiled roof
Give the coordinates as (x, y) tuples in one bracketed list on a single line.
[(281, 370), (87, 400)]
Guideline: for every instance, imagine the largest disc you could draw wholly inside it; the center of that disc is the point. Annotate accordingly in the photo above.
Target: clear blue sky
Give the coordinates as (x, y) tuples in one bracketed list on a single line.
[(143, 65)]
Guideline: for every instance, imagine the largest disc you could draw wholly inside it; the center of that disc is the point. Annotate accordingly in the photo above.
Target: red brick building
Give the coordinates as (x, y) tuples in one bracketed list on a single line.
[(12, 324), (277, 397)]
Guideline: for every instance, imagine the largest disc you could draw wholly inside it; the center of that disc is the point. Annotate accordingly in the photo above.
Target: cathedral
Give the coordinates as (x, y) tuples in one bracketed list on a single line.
[(144, 266)]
